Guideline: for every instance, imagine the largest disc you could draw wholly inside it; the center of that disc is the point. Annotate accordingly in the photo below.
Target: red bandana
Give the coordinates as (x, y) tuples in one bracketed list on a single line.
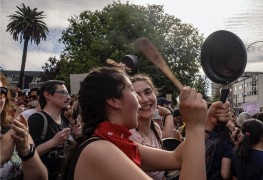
[(119, 135)]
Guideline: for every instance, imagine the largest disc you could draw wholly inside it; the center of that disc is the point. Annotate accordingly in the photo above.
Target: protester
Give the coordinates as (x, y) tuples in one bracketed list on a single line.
[(33, 104), (148, 132), (218, 133), (14, 134), (248, 158), (165, 103), (23, 103), (109, 107), (53, 140), (258, 116), (242, 117)]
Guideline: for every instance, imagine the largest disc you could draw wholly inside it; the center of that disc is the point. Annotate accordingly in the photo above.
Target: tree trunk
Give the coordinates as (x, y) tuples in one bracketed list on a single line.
[(22, 70)]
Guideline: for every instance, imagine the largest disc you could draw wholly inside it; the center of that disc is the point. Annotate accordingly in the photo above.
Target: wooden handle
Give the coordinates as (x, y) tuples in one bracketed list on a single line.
[(152, 53)]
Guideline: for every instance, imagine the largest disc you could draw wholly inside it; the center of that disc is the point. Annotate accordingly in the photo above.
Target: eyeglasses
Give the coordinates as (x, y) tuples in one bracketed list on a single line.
[(3, 92), (62, 92)]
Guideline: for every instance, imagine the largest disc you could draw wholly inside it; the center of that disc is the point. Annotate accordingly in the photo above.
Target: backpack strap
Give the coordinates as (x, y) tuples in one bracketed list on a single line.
[(44, 130), (76, 154)]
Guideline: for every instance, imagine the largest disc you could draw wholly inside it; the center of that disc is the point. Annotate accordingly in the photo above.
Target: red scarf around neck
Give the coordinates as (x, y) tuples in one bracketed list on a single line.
[(119, 135)]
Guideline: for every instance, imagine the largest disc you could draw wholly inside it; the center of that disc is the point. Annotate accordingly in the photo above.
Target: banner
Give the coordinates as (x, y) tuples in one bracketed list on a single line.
[(251, 107)]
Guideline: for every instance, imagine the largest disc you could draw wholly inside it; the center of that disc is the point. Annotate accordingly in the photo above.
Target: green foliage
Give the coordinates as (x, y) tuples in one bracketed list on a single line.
[(202, 85), (92, 37), (51, 69), (27, 24)]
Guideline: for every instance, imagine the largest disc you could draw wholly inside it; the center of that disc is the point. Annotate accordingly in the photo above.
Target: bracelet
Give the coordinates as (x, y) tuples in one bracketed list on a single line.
[(208, 132), (167, 115), (29, 155)]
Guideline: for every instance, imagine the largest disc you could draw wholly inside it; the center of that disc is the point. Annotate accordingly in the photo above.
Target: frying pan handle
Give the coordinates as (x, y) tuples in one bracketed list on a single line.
[(224, 94)]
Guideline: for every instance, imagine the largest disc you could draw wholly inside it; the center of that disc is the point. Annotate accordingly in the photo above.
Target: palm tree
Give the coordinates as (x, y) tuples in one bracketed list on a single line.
[(27, 25)]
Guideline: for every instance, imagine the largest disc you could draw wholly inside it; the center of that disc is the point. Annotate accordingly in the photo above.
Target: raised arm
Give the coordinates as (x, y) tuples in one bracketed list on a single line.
[(218, 112), (6, 146), (168, 128), (25, 149), (193, 109)]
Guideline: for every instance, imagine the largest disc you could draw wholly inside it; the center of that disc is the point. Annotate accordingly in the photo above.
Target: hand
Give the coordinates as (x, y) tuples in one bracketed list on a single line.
[(219, 112), (193, 108), (77, 129), (61, 137), (236, 135), (21, 135), (163, 111)]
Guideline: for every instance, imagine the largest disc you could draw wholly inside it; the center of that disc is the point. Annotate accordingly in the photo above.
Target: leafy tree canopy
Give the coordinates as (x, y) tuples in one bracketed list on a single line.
[(92, 37)]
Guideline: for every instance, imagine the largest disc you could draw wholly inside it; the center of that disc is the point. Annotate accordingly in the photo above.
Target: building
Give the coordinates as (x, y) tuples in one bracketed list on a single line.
[(246, 89), (31, 78)]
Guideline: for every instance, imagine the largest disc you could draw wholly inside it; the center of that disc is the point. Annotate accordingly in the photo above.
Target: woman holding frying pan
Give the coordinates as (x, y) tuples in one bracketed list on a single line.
[(109, 108)]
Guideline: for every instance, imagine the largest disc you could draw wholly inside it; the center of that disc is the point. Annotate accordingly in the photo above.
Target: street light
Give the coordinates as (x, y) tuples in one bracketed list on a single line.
[(253, 43)]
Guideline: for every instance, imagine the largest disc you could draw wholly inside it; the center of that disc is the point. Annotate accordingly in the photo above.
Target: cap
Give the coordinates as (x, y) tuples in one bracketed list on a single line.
[(25, 91)]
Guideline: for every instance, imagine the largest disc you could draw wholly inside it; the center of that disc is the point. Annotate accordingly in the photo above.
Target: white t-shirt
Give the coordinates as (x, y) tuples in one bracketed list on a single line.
[(28, 113)]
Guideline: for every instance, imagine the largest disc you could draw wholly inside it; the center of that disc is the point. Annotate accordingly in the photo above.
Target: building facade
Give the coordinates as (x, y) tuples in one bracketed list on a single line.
[(31, 78), (246, 89)]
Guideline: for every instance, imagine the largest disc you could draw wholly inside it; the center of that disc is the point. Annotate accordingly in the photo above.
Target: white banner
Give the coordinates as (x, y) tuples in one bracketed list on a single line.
[(251, 107)]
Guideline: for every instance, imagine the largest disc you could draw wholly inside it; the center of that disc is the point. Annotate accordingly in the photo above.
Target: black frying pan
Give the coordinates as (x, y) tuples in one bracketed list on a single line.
[(132, 63), (223, 59)]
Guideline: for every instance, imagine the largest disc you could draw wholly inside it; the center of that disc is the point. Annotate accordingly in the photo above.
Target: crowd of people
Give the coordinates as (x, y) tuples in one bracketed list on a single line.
[(117, 127)]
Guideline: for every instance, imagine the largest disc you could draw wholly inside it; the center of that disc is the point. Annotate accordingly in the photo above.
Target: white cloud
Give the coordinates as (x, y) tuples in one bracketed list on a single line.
[(241, 17)]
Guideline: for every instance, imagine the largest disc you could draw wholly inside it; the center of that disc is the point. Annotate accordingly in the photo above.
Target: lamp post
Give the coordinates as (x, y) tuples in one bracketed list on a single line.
[(252, 44)]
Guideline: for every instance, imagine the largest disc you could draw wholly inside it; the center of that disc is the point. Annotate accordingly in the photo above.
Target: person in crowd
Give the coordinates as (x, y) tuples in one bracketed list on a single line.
[(258, 116), (15, 110), (52, 142), (242, 117), (148, 132), (16, 144), (179, 131), (219, 133), (33, 103), (165, 103), (24, 99), (109, 107), (248, 157)]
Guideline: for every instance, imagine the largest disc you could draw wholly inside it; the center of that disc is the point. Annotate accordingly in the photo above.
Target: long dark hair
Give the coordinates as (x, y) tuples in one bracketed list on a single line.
[(252, 130), (98, 86)]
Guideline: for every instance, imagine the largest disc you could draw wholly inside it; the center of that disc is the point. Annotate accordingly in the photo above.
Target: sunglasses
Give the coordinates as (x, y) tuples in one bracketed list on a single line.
[(3, 92)]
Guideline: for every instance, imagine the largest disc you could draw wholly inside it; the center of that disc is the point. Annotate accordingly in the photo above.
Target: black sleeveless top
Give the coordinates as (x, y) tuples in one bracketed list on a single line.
[(75, 156)]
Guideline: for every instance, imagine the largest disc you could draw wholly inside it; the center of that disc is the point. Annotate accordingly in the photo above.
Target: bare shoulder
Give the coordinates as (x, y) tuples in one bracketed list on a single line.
[(103, 160)]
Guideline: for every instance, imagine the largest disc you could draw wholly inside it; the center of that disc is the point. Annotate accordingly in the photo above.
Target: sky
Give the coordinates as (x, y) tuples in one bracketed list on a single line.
[(242, 17)]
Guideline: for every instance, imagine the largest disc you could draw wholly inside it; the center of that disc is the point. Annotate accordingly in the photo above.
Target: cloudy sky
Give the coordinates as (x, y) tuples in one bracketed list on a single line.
[(243, 17)]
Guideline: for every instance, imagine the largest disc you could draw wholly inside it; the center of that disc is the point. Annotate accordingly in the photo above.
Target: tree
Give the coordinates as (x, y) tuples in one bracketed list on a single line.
[(92, 37), (27, 25), (202, 85), (51, 69)]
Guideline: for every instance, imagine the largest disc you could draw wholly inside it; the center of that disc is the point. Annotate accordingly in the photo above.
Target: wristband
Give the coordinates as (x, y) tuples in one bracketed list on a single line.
[(167, 115), (29, 155)]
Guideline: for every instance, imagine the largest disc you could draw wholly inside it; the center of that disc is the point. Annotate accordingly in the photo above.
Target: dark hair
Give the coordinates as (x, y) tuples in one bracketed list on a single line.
[(35, 89), (252, 130), (49, 86), (98, 86), (258, 116)]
